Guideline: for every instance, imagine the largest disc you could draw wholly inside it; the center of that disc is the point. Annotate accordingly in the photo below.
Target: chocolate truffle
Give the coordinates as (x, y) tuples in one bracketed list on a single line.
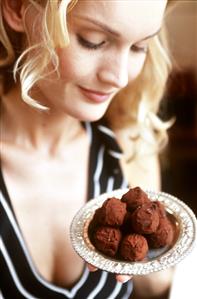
[(135, 197), (111, 213), (161, 209), (127, 224), (96, 218), (163, 235), (107, 239), (145, 219), (133, 247)]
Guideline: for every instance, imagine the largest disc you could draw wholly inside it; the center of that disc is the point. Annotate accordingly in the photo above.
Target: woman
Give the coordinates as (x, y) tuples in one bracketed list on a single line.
[(71, 72)]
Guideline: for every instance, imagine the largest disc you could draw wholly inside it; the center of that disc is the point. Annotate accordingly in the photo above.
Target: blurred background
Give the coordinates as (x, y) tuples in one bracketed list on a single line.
[(179, 159)]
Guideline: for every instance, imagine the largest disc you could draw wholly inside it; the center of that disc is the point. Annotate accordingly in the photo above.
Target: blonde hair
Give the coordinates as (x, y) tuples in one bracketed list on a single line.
[(142, 96)]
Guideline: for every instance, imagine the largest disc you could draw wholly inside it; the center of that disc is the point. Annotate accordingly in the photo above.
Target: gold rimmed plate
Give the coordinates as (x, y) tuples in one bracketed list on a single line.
[(180, 215)]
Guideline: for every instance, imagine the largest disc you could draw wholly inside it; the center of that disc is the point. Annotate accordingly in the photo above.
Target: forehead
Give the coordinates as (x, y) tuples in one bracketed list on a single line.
[(135, 18)]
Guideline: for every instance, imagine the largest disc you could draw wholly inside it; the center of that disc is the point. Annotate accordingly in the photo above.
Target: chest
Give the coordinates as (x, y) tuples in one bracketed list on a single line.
[(45, 195)]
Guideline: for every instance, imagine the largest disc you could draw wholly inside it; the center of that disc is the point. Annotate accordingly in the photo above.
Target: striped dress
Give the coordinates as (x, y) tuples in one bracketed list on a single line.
[(18, 275)]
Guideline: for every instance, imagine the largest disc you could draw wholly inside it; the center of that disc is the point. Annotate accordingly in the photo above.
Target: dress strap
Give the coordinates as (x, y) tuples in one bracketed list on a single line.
[(3, 188)]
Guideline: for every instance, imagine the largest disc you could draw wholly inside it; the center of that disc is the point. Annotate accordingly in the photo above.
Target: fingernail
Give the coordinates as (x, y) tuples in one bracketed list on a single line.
[(91, 268), (124, 279)]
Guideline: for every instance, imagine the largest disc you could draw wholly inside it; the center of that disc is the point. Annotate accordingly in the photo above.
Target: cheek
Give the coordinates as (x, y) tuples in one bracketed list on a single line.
[(136, 66), (73, 66), (67, 65)]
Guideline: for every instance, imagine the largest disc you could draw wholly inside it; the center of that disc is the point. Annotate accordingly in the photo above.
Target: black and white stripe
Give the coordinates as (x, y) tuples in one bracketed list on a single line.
[(18, 275)]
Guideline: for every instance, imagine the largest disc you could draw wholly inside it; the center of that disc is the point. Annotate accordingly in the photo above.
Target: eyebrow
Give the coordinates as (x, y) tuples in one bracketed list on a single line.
[(110, 30)]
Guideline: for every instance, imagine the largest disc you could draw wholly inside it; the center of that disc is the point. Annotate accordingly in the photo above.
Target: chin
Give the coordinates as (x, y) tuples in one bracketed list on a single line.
[(91, 118), (89, 115)]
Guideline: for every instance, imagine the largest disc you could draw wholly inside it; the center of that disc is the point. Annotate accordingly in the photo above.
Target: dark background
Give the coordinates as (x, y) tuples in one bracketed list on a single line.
[(179, 159)]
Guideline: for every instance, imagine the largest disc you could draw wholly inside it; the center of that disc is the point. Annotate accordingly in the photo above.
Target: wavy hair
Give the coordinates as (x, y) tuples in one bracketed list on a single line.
[(137, 104)]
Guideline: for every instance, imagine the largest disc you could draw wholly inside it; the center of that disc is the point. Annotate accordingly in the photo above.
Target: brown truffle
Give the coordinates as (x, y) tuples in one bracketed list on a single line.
[(135, 197), (96, 218), (126, 228), (127, 224), (107, 239), (111, 213), (145, 219), (163, 235), (161, 209), (133, 247)]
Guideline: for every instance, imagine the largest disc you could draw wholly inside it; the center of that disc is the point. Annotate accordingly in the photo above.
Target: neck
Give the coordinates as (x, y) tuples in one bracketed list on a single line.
[(30, 127)]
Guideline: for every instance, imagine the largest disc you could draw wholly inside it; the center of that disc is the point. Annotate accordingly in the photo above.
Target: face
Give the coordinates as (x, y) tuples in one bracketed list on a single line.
[(108, 47)]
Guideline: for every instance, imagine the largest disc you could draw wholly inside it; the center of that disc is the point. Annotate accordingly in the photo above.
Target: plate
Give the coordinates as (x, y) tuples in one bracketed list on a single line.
[(180, 215)]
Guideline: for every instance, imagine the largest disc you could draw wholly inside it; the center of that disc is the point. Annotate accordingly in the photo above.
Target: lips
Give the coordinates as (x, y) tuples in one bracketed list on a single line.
[(95, 96)]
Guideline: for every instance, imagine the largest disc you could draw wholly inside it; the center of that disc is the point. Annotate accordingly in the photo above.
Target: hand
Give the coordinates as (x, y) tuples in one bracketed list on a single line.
[(119, 278)]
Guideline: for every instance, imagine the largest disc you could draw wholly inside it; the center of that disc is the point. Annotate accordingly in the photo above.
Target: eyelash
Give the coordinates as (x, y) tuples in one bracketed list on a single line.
[(88, 45), (91, 46), (139, 49)]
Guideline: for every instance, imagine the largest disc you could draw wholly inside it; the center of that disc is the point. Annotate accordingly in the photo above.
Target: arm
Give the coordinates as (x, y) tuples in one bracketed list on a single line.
[(184, 281), (154, 285)]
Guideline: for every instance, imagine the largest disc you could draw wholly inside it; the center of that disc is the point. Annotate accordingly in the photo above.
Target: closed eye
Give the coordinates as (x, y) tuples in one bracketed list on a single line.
[(94, 46), (89, 45), (139, 49)]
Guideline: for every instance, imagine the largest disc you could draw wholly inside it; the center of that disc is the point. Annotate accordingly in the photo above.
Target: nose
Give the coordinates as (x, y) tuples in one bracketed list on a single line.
[(115, 70)]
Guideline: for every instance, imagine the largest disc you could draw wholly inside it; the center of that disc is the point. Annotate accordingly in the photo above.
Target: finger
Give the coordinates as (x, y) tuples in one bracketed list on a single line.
[(91, 268), (123, 278)]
